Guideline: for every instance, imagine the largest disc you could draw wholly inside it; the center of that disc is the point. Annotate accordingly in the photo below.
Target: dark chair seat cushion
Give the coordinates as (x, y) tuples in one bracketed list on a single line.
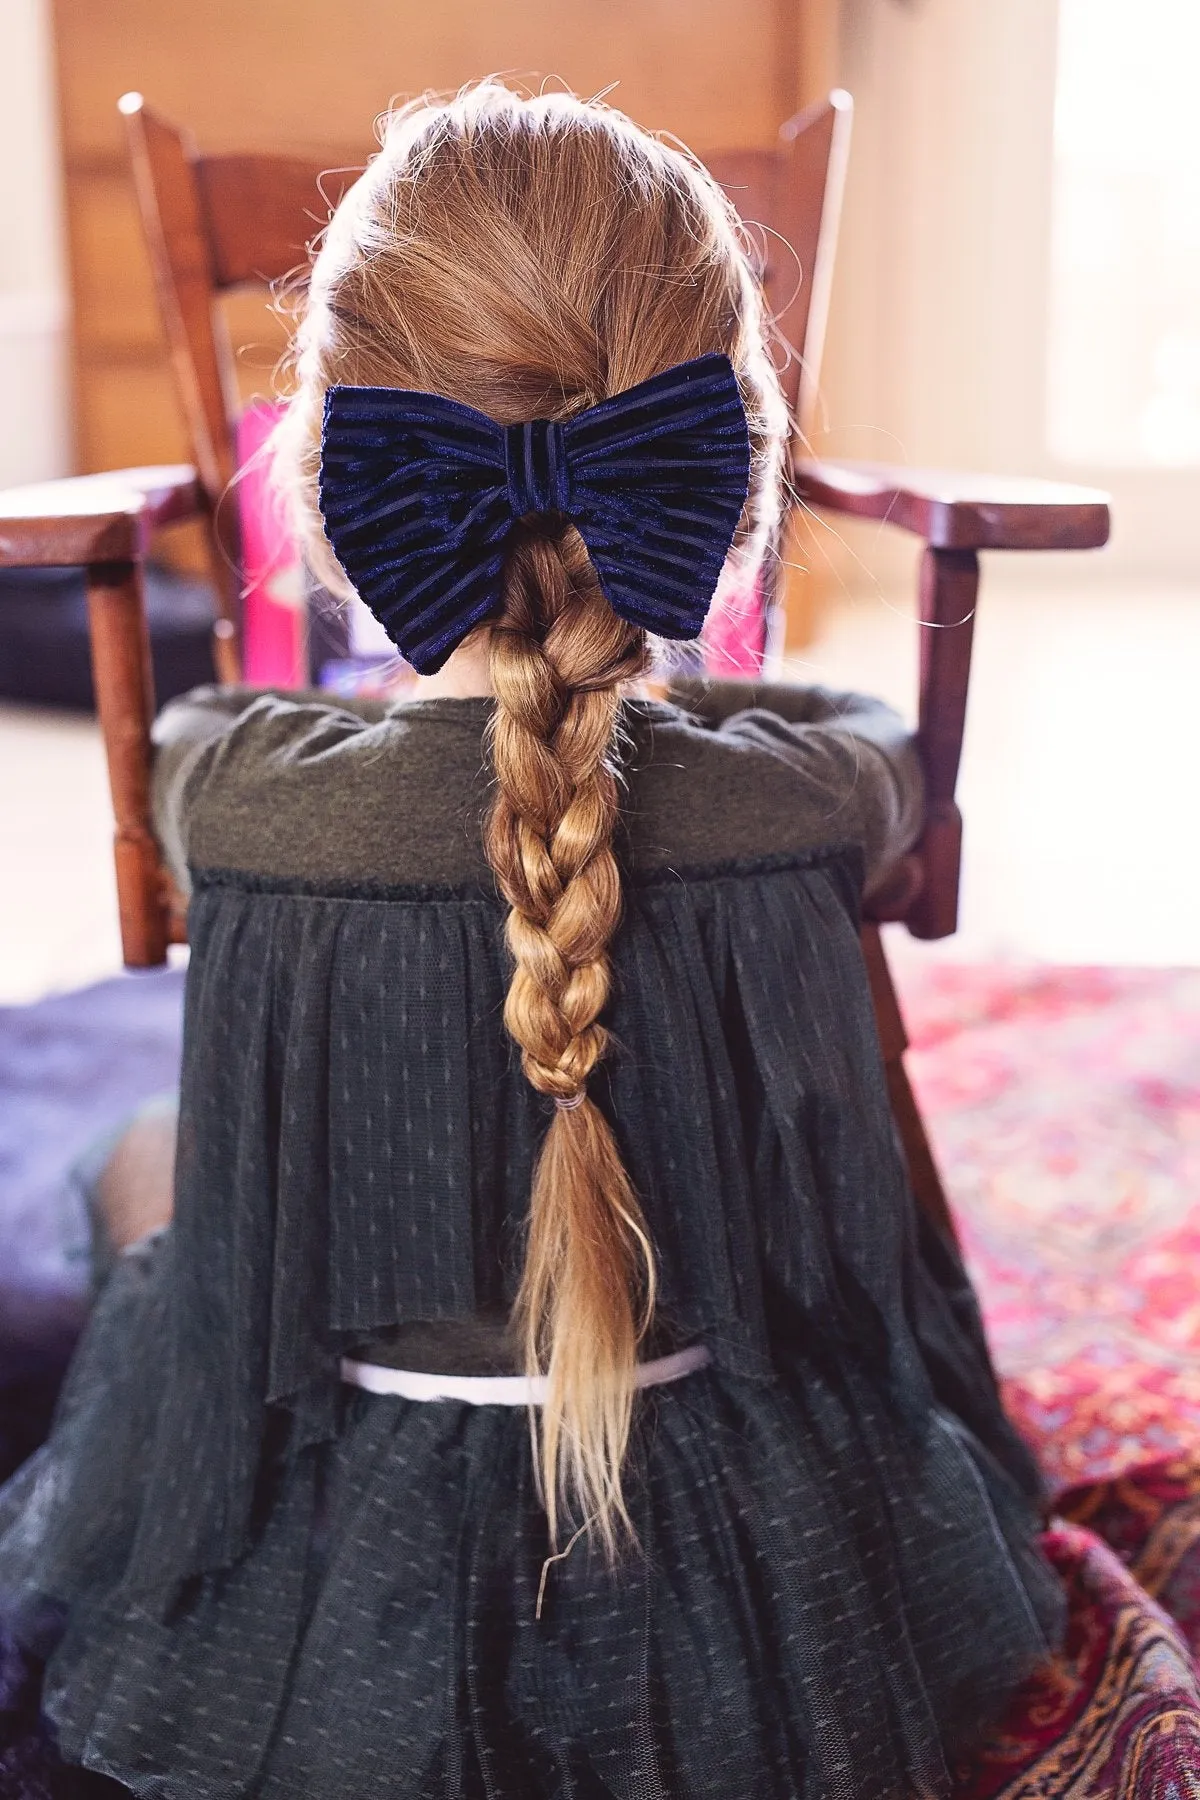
[(44, 654)]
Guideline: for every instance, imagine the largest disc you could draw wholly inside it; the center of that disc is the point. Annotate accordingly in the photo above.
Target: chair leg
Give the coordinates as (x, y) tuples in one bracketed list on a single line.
[(923, 1172), (124, 684), (949, 591)]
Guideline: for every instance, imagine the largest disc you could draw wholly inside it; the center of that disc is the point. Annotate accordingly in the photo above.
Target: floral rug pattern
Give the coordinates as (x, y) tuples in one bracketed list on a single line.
[(1065, 1109), (1065, 1106)]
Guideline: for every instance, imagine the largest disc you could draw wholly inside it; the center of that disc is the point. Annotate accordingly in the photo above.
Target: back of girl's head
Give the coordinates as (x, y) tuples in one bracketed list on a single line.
[(529, 258)]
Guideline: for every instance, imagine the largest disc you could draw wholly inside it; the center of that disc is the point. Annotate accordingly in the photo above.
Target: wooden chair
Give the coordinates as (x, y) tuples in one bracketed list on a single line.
[(215, 223)]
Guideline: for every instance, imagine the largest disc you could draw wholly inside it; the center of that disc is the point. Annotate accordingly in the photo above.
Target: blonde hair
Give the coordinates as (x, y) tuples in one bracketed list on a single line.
[(530, 257)]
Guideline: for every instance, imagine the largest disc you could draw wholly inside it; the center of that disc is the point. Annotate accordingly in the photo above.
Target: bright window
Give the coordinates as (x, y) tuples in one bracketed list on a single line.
[(1124, 367)]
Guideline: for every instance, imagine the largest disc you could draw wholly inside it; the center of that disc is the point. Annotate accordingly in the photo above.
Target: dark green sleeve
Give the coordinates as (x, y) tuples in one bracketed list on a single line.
[(187, 735), (858, 756)]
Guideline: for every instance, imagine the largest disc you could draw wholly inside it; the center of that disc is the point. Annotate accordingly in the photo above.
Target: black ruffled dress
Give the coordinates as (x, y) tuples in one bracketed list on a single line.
[(250, 1579)]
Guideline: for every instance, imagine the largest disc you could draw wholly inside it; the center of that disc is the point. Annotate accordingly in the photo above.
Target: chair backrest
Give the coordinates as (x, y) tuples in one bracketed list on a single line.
[(216, 223), (792, 196)]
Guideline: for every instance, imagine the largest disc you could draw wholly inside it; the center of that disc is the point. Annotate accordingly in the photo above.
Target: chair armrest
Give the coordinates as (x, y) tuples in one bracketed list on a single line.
[(93, 518), (104, 522), (954, 511)]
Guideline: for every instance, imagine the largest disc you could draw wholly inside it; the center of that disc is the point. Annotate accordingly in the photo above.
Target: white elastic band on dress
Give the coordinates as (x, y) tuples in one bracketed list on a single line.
[(503, 1390)]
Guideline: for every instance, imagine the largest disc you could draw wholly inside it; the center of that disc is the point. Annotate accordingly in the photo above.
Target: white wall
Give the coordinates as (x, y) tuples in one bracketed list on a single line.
[(35, 436), (939, 332), (937, 337)]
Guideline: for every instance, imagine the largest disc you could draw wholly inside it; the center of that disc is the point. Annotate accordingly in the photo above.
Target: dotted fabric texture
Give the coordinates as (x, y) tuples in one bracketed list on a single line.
[(252, 1581)]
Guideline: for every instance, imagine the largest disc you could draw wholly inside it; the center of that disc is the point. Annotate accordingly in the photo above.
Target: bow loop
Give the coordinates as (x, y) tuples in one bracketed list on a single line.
[(419, 495)]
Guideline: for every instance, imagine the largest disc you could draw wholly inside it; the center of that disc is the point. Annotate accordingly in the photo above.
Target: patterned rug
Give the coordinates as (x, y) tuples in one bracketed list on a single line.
[(1065, 1107)]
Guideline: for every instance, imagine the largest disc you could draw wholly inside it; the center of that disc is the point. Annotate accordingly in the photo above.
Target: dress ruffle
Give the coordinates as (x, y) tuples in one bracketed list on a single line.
[(252, 1581)]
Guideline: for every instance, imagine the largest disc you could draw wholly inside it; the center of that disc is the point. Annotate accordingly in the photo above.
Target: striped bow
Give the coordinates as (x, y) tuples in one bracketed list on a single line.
[(419, 494)]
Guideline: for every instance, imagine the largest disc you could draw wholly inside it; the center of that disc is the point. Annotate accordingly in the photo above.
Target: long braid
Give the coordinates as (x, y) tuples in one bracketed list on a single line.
[(530, 258), (558, 660)]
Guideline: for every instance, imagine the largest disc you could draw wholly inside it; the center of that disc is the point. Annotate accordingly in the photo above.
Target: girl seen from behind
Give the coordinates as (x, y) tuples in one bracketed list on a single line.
[(546, 1387)]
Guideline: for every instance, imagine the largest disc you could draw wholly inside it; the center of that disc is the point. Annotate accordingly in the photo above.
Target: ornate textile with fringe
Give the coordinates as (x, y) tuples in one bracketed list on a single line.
[(1116, 1716)]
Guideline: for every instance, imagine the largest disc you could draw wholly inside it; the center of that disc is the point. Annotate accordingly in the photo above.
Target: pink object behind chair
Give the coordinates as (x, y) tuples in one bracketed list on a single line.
[(734, 639), (274, 622)]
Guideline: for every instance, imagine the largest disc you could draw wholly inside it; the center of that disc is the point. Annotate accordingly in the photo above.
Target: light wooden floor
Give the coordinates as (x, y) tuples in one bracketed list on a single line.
[(1079, 784), (58, 908)]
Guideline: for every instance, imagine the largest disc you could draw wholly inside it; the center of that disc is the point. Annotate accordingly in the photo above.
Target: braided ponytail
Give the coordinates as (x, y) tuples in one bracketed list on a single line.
[(530, 258), (558, 660)]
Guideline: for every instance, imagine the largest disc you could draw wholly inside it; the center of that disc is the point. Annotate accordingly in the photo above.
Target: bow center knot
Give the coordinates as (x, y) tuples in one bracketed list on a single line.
[(536, 465)]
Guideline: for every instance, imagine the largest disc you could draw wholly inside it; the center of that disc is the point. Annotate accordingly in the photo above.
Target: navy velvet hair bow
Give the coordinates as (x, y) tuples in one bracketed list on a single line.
[(419, 494)]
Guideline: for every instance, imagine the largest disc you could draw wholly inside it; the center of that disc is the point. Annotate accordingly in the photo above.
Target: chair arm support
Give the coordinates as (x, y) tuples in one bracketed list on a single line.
[(94, 518), (953, 511), (104, 522)]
